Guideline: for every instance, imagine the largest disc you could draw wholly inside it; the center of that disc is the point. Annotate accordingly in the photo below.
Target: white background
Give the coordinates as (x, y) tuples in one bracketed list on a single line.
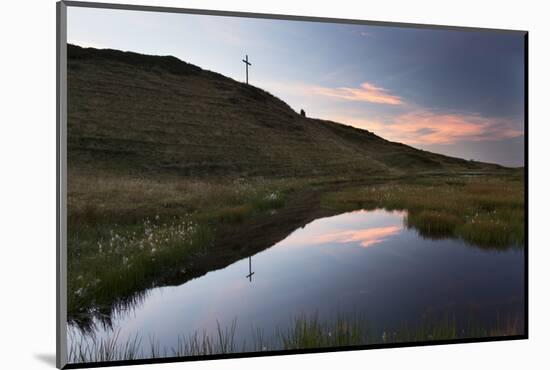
[(27, 165)]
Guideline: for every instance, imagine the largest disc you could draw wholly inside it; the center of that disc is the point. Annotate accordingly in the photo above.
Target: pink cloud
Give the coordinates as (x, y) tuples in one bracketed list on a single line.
[(366, 92), (417, 125), (426, 127), (365, 238)]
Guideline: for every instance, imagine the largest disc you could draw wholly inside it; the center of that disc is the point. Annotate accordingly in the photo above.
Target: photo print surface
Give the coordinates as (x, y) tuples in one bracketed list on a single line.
[(242, 185)]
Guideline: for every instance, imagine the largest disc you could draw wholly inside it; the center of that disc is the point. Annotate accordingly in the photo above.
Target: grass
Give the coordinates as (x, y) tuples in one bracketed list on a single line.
[(310, 332), (112, 267), (303, 332), (106, 350), (110, 198), (487, 211)]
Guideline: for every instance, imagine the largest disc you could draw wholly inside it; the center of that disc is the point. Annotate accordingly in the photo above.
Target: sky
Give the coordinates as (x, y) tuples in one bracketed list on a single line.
[(458, 93)]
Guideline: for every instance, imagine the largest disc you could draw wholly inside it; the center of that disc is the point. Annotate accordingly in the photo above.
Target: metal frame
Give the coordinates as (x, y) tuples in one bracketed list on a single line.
[(61, 191), (61, 188)]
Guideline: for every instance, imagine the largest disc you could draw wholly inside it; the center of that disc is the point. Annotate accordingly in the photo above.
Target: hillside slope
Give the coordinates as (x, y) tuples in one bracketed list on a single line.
[(142, 114)]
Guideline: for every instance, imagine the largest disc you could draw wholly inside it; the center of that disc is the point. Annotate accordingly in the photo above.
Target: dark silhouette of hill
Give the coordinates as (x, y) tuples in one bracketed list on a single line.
[(144, 114)]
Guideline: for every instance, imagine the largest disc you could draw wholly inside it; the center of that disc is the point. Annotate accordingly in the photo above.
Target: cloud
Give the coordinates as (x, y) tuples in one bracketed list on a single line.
[(423, 126), (365, 238), (414, 125), (367, 92)]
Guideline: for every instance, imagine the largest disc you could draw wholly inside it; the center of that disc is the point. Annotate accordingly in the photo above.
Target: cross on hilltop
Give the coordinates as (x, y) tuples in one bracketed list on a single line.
[(247, 64)]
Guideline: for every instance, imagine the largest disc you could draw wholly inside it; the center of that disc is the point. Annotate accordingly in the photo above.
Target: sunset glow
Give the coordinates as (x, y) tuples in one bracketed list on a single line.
[(425, 127)]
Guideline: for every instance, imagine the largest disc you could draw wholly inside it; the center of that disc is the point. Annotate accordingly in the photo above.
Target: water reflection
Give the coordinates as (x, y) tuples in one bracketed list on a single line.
[(250, 272), (362, 228), (364, 238), (363, 262)]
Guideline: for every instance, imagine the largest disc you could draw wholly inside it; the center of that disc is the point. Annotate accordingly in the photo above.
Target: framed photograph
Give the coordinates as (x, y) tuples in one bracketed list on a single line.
[(234, 184)]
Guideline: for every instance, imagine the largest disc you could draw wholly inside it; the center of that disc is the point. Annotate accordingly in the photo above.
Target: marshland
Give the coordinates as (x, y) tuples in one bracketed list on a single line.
[(187, 238)]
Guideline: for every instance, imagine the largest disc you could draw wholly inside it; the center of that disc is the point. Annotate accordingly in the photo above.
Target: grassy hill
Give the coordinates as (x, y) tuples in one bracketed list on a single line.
[(141, 114)]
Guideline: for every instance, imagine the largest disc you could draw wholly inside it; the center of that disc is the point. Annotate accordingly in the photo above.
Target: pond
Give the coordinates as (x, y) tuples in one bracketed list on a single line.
[(365, 263)]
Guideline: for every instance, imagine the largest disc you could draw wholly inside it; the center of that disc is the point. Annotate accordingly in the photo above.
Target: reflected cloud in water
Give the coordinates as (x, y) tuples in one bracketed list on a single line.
[(364, 238), (361, 228)]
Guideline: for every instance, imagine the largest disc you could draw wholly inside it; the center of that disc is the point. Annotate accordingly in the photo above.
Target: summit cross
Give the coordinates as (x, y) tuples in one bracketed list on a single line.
[(247, 64)]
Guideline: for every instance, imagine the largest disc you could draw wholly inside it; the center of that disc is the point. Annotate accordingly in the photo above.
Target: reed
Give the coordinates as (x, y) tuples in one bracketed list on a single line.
[(302, 332)]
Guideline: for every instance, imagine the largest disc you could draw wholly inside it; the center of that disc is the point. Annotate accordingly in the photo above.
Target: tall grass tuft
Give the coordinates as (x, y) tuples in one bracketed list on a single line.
[(101, 350), (126, 260), (302, 332), (309, 332)]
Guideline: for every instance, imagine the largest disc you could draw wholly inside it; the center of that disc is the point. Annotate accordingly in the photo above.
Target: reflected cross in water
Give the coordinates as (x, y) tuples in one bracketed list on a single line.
[(250, 273)]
